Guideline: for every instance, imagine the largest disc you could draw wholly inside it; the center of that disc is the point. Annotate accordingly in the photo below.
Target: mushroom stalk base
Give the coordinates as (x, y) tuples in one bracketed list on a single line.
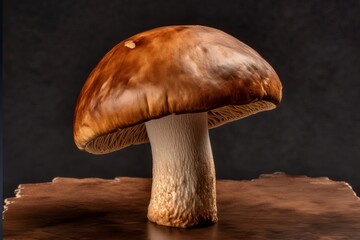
[(183, 190)]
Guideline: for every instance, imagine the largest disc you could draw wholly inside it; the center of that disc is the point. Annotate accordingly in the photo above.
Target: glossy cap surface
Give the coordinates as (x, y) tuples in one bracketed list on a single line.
[(170, 70)]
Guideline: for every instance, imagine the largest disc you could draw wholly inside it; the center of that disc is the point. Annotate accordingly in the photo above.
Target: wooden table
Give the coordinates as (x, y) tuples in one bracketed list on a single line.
[(275, 206)]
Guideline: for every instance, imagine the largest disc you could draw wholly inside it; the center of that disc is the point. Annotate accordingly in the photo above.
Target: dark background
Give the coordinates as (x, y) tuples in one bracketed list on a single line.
[(51, 46)]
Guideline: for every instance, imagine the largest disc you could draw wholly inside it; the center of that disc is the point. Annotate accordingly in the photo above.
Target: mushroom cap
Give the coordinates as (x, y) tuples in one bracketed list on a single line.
[(170, 70)]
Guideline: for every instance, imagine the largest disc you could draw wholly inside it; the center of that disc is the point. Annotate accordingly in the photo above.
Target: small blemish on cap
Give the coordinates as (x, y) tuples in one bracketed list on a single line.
[(130, 44)]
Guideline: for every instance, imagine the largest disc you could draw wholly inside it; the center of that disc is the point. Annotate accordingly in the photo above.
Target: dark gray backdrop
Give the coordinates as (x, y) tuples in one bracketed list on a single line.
[(50, 47)]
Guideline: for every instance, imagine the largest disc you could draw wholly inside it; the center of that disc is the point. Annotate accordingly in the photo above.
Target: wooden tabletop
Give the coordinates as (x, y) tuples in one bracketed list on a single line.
[(275, 206)]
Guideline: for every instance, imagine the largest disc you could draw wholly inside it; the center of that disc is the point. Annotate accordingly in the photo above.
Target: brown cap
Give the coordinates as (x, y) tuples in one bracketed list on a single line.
[(170, 70)]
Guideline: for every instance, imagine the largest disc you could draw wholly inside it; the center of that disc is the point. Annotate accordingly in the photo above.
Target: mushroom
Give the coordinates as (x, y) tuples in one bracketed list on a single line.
[(168, 86)]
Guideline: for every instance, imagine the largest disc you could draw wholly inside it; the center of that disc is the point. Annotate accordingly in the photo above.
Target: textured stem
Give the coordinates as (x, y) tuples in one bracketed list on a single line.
[(183, 190)]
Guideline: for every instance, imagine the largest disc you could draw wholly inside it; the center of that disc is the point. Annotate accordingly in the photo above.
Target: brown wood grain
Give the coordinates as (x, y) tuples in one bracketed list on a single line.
[(275, 206)]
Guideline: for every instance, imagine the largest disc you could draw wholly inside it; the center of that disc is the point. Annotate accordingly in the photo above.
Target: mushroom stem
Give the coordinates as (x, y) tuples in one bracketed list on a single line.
[(183, 189)]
